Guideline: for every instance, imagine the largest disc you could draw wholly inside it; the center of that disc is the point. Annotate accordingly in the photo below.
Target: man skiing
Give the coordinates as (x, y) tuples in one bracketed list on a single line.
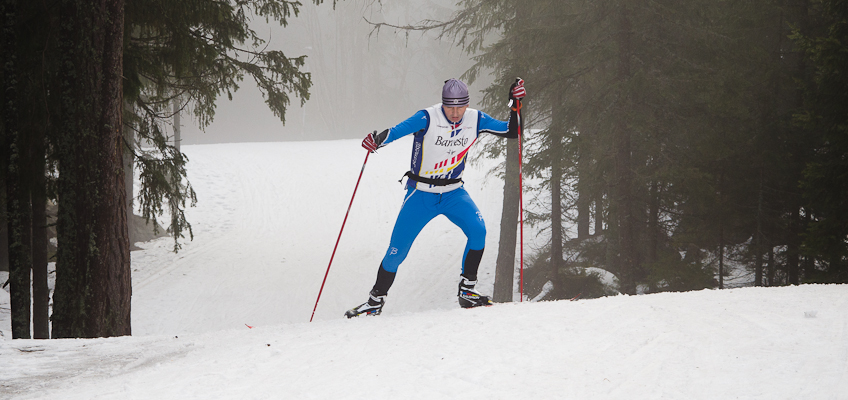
[(443, 135)]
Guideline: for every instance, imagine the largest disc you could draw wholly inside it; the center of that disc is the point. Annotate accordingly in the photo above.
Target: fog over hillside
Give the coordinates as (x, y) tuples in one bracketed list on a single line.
[(362, 79)]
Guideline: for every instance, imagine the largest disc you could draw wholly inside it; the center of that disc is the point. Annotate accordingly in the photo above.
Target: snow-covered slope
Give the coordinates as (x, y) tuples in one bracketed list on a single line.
[(265, 225), (737, 344)]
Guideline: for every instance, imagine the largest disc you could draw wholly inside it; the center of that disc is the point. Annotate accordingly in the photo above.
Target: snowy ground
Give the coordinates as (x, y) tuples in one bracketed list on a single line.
[(265, 226)]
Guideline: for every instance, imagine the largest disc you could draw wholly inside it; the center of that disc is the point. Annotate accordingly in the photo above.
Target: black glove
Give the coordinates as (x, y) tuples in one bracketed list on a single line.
[(374, 141)]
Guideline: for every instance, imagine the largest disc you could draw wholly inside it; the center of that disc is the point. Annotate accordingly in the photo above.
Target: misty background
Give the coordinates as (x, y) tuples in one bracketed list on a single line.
[(362, 79)]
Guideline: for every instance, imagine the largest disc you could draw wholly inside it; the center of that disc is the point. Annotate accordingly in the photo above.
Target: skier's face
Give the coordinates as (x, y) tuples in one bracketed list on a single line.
[(455, 114)]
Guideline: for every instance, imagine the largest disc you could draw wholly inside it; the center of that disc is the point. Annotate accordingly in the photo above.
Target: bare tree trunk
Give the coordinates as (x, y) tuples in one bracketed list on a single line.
[(4, 225), (721, 231), (18, 202), (129, 161), (177, 139), (654, 222), (20, 250), (556, 208), (93, 287), (599, 214), (721, 255), (793, 244), (557, 131), (770, 267), (758, 238), (584, 191), (584, 198), (40, 291), (623, 186), (19, 211), (505, 265), (808, 265)]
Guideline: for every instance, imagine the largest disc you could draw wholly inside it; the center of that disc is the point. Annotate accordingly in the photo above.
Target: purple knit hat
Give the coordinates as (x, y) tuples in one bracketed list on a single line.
[(454, 93)]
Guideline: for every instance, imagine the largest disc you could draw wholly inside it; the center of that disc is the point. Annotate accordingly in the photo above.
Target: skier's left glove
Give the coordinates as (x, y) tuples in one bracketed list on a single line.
[(374, 141), (516, 92)]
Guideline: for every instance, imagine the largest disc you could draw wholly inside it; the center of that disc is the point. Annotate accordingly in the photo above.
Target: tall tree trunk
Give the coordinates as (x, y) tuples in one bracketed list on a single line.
[(4, 225), (758, 237), (623, 185), (599, 214), (556, 135), (40, 291), (613, 256), (129, 161), (808, 264), (93, 287), (721, 255), (19, 211), (177, 138), (505, 264), (584, 197), (793, 245), (721, 231), (7, 109), (770, 267), (18, 203), (653, 222)]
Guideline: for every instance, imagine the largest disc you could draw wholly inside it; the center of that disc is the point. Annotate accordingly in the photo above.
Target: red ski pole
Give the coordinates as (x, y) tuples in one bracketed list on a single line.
[(340, 236), (520, 207)]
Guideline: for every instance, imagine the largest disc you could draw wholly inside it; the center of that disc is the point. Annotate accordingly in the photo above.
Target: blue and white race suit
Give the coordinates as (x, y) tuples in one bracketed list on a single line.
[(439, 151)]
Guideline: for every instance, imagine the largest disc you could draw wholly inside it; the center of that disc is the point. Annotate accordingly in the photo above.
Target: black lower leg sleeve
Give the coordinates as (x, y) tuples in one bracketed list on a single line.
[(472, 262), (384, 281)]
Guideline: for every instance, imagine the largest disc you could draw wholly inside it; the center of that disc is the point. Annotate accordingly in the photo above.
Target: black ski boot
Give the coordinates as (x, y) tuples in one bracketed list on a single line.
[(468, 297), (374, 306)]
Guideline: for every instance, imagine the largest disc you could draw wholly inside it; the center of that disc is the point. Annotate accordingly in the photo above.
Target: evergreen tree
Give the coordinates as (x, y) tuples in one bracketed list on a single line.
[(61, 87), (93, 284), (192, 52), (25, 121), (676, 122), (18, 210), (825, 180)]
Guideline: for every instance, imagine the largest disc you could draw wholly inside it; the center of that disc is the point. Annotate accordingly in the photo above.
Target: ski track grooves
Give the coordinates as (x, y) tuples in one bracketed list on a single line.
[(246, 249)]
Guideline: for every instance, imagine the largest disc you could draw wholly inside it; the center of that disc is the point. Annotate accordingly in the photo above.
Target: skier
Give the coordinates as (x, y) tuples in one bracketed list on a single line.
[(443, 135)]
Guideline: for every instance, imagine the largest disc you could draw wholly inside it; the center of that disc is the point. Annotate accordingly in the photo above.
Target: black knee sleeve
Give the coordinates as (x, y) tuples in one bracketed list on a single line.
[(384, 281), (472, 262)]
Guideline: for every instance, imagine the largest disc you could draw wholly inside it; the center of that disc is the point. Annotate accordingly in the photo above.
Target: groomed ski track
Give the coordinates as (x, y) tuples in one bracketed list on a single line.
[(267, 218)]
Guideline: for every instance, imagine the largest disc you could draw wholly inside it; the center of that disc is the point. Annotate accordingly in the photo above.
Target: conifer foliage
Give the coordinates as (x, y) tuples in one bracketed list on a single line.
[(86, 81), (824, 117), (704, 139)]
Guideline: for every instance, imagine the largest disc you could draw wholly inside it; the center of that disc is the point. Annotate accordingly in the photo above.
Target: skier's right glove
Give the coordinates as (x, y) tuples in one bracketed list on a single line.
[(374, 141)]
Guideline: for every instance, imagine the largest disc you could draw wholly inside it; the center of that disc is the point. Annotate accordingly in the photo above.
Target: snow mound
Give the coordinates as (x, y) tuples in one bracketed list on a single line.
[(752, 343)]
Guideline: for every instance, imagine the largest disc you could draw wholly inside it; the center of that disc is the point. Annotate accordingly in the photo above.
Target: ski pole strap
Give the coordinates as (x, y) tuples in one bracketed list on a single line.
[(517, 108), (429, 181)]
